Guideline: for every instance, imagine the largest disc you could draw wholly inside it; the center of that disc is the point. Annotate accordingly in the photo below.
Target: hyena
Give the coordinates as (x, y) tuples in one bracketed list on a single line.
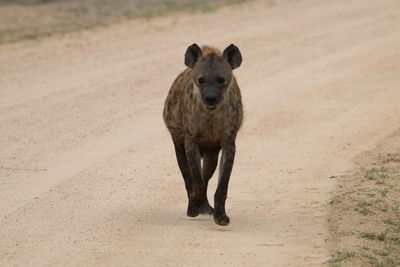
[(203, 112)]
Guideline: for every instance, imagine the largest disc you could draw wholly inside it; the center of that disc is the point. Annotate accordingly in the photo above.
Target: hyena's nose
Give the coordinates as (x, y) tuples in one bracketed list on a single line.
[(210, 99)]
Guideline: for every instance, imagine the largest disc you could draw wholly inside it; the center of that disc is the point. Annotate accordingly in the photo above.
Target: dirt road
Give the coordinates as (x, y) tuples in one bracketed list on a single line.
[(87, 170)]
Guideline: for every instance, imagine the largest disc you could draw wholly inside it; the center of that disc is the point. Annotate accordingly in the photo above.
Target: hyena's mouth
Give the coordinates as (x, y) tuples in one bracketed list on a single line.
[(212, 107)]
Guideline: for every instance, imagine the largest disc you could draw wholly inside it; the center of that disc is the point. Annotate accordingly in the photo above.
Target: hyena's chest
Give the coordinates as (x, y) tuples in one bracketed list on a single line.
[(206, 130)]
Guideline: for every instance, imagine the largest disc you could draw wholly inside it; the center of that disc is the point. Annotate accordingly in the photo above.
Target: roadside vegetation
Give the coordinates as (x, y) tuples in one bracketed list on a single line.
[(31, 19), (365, 211)]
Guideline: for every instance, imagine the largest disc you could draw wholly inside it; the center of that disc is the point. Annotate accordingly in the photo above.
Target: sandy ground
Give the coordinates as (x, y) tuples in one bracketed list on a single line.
[(87, 170)]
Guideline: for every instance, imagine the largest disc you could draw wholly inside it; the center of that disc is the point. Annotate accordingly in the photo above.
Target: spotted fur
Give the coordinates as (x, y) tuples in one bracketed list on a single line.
[(199, 131)]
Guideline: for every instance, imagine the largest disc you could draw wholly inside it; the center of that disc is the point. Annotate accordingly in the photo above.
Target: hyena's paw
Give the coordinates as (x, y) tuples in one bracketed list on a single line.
[(206, 209), (221, 219), (192, 210)]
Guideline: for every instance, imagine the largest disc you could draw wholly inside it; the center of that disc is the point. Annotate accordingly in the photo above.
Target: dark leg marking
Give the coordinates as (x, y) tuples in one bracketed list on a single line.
[(180, 152), (198, 194), (210, 161), (226, 163)]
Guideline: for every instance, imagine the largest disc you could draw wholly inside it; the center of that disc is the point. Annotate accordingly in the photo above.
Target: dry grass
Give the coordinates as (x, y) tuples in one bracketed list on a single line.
[(28, 19), (365, 210)]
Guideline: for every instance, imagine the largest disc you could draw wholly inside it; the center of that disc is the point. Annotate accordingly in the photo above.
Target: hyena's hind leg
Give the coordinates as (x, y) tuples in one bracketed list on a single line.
[(180, 152), (210, 161)]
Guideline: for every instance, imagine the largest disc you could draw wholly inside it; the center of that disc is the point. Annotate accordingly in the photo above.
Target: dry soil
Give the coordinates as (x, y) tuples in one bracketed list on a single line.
[(87, 169)]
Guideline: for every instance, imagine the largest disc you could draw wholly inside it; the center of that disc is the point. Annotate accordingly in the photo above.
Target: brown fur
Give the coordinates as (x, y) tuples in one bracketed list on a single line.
[(198, 132)]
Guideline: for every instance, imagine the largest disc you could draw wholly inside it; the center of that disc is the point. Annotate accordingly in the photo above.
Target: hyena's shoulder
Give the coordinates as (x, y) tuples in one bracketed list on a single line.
[(234, 112), (179, 86), (174, 104)]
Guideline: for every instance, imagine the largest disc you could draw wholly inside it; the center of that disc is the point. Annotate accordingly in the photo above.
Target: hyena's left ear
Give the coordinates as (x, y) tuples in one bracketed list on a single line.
[(192, 54), (233, 56)]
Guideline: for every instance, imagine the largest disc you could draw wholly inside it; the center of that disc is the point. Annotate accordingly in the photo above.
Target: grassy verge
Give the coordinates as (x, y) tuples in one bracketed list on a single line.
[(31, 19), (364, 214)]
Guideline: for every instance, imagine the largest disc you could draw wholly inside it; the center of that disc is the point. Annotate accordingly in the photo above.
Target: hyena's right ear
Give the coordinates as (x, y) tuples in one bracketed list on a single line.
[(192, 54)]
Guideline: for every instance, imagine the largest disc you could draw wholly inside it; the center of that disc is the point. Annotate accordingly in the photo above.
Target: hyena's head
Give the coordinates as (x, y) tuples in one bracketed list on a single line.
[(212, 71)]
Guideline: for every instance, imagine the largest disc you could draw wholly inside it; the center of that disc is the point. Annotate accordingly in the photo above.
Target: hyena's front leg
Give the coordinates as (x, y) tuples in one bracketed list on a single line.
[(210, 161), (180, 152), (225, 169), (199, 194)]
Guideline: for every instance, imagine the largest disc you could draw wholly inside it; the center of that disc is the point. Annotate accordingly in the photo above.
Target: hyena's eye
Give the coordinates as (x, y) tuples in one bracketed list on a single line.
[(220, 80), (201, 80)]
